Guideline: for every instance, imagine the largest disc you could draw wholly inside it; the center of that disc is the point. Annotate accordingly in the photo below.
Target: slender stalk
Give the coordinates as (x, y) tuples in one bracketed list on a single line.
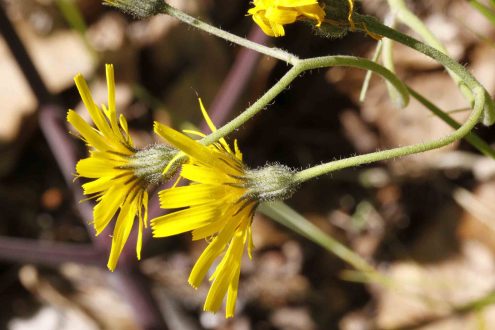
[(370, 25), (407, 17), (235, 82), (359, 63), (412, 21), (471, 137), (286, 216), (466, 80), (21, 55), (369, 74), (316, 171), (293, 73), (387, 57), (272, 52), (48, 253)]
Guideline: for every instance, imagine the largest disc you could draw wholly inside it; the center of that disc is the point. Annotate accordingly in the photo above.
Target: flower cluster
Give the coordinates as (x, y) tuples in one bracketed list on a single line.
[(218, 204)]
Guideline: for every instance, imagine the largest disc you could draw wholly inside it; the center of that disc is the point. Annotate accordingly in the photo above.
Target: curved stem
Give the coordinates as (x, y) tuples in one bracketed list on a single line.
[(466, 80), (316, 171), (285, 215), (373, 26), (299, 66), (478, 91), (359, 63), (471, 137), (272, 52), (256, 107), (293, 73), (407, 17)]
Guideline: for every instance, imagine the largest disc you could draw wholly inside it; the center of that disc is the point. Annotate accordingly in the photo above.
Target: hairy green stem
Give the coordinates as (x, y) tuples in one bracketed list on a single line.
[(471, 137), (369, 74), (464, 79), (478, 91), (414, 23), (300, 65), (289, 218), (319, 170), (272, 52), (293, 73)]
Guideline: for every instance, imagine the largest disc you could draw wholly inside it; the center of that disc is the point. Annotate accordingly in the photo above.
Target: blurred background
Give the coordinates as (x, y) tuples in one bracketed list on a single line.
[(426, 221)]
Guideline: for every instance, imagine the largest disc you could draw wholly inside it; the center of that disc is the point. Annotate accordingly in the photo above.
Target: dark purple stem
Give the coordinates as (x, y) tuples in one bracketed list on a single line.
[(47, 252), (17, 48), (50, 121), (130, 283), (127, 280)]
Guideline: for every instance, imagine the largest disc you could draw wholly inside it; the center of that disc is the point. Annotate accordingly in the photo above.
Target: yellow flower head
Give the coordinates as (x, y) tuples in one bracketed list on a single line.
[(218, 205), (113, 165), (272, 15)]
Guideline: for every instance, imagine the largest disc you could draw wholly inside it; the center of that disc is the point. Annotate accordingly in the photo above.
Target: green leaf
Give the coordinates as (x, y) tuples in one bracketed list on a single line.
[(484, 10), (286, 216)]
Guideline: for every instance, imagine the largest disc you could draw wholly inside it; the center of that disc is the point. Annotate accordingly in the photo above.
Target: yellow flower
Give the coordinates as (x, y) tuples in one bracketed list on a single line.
[(218, 205), (272, 15), (113, 165)]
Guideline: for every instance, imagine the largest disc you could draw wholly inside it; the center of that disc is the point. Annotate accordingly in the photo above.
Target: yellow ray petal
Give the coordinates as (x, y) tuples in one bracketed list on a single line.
[(295, 3), (125, 128), (224, 273), (207, 118), (250, 242), (265, 25), (275, 15), (95, 113), (206, 175), (190, 195), (145, 205), (243, 218), (188, 145), (112, 117), (110, 87), (184, 143), (93, 167), (194, 133), (89, 134), (232, 294), (211, 229), (139, 241), (184, 220), (212, 251), (98, 185), (121, 233), (107, 207)]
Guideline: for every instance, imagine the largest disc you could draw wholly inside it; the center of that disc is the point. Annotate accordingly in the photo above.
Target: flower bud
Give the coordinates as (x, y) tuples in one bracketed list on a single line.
[(269, 183), (148, 163), (139, 9), (338, 18)]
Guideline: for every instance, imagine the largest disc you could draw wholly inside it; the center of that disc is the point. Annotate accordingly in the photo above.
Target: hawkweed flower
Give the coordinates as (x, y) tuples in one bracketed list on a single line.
[(272, 15), (218, 205), (119, 173)]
